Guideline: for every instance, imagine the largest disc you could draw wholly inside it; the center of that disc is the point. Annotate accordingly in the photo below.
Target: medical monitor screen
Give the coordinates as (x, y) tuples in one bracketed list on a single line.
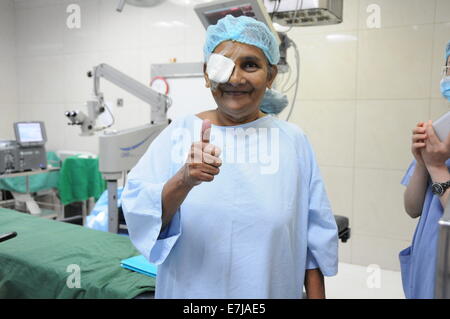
[(30, 133), (242, 10), (211, 12)]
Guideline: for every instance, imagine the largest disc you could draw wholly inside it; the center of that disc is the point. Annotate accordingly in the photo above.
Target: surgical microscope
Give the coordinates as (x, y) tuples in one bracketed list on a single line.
[(119, 151)]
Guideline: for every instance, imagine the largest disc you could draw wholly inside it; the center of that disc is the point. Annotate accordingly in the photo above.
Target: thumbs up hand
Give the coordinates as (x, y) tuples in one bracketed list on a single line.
[(203, 161)]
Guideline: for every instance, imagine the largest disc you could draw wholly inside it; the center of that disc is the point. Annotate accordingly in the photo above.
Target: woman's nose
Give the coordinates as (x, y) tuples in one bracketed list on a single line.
[(236, 77)]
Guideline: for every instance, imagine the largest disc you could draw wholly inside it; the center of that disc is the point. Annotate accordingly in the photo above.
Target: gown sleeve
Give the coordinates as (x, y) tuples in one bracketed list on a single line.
[(142, 203), (322, 237), (408, 174)]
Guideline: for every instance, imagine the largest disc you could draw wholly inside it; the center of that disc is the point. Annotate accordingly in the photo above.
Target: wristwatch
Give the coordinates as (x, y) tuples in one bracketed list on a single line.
[(440, 188)]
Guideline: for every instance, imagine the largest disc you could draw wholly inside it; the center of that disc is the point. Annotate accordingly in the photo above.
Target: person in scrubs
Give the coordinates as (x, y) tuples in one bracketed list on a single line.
[(230, 203), (430, 167)]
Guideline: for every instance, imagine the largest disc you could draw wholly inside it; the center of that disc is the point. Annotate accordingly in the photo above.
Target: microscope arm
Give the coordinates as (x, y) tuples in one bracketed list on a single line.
[(159, 102), (155, 99)]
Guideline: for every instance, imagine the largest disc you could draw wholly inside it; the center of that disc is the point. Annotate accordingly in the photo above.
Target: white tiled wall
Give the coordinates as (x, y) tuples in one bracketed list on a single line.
[(53, 60), (361, 90), (8, 88)]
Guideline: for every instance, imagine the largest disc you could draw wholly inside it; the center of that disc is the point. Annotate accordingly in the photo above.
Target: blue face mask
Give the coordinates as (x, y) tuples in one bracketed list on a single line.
[(445, 87)]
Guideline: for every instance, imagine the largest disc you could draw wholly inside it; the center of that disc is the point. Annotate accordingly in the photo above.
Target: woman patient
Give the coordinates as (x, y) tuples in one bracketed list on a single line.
[(229, 203)]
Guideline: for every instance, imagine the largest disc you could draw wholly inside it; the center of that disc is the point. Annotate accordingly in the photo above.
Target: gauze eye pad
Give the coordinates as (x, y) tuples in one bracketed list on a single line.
[(219, 68)]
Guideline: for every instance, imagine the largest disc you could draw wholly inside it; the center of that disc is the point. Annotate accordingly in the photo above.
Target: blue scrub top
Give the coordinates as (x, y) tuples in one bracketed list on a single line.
[(418, 262)]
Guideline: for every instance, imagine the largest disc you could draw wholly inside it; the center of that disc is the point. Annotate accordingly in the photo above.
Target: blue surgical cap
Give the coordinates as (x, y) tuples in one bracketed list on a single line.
[(245, 30)]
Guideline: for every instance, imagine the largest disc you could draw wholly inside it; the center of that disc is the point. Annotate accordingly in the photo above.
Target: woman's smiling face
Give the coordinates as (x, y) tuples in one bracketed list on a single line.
[(245, 89)]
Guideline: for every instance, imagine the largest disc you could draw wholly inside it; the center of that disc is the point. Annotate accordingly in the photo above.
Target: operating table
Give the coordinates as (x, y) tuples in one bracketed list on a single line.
[(47, 257)]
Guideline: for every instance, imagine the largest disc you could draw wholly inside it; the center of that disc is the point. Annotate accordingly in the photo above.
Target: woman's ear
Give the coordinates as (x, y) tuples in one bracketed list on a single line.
[(272, 74), (207, 81)]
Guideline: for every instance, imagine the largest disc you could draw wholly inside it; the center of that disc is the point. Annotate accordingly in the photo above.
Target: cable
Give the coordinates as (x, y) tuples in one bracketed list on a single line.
[(295, 14), (289, 87), (112, 116), (273, 10), (297, 59), (279, 4), (287, 79), (105, 105)]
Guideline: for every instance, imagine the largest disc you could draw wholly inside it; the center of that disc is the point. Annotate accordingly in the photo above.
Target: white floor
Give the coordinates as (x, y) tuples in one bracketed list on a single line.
[(359, 282)]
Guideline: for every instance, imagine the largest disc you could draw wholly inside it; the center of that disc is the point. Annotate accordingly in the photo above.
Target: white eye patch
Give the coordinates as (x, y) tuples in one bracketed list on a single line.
[(219, 68)]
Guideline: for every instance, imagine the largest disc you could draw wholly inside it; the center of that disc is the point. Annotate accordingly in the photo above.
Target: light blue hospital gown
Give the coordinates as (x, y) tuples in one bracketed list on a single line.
[(249, 233), (418, 262)]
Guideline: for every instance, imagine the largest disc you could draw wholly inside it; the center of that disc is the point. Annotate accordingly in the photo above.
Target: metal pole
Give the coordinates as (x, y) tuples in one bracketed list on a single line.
[(113, 210), (442, 285)]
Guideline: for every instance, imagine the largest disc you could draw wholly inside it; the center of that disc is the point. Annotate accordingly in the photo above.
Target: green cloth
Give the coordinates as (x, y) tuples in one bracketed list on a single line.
[(80, 179), (37, 182), (34, 264)]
